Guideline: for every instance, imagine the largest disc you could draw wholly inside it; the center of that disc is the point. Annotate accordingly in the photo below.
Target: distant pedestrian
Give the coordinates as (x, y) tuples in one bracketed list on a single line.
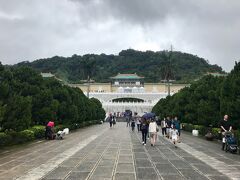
[(153, 128), (110, 119), (128, 117), (133, 124), (144, 129), (168, 127), (174, 136), (176, 123), (114, 119), (137, 120), (163, 126), (138, 123)]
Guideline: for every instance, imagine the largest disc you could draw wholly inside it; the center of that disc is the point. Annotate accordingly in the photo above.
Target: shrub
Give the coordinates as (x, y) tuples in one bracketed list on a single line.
[(39, 131), (22, 136), (5, 139), (216, 133), (237, 134), (188, 127), (26, 135), (201, 129)]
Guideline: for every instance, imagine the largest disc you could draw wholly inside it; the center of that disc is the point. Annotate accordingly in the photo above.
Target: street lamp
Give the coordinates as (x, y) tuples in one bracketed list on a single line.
[(168, 72)]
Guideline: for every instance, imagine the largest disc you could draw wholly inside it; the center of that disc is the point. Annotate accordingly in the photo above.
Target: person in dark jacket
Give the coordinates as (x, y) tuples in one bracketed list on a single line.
[(168, 126), (225, 126), (133, 124), (110, 119), (144, 129)]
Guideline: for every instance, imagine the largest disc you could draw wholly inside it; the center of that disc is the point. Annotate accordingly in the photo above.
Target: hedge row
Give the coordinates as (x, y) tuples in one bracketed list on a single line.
[(203, 130), (36, 132)]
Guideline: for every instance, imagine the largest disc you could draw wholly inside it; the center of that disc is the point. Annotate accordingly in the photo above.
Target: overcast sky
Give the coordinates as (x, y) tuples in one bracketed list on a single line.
[(33, 29)]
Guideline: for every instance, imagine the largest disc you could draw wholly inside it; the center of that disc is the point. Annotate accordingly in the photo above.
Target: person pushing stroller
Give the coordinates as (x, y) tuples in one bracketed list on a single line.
[(225, 127)]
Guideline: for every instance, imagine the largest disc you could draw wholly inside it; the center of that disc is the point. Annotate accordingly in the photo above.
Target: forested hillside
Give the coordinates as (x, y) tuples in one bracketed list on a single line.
[(151, 65)]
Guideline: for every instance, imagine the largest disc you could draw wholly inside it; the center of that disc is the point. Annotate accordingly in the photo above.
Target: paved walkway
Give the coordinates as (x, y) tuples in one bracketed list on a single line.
[(101, 153)]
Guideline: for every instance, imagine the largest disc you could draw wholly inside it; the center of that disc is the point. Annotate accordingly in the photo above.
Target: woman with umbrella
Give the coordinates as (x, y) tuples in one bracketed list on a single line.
[(144, 129)]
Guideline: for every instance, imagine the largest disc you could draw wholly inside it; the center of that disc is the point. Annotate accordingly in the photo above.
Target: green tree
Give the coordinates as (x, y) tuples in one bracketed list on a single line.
[(18, 114)]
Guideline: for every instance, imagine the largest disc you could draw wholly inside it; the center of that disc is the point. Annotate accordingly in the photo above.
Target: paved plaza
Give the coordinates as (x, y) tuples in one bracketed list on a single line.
[(101, 153)]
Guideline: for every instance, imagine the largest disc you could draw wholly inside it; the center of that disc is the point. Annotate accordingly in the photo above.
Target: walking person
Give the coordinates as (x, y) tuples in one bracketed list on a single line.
[(153, 128), (176, 123), (138, 124), (163, 126), (137, 120), (128, 116), (133, 123), (168, 126), (174, 135), (110, 119), (225, 126), (144, 129), (114, 119)]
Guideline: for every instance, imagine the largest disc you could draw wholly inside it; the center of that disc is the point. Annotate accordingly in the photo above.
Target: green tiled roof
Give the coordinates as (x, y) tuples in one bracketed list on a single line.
[(127, 76)]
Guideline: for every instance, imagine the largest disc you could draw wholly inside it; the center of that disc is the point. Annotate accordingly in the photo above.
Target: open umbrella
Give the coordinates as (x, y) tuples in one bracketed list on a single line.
[(50, 123), (149, 115)]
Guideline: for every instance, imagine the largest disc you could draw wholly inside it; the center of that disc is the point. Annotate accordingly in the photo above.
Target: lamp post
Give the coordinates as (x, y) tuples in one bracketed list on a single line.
[(168, 73), (88, 86), (89, 65)]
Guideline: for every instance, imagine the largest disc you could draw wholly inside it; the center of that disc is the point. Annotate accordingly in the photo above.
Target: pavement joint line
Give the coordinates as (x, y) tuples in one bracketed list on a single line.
[(116, 163), (180, 173), (211, 151), (194, 167), (18, 152), (42, 170), (170, 161), (149, 158), (209, 160), (80, 162), (199, 157), (97, 163), (134, 159), (20, 157)]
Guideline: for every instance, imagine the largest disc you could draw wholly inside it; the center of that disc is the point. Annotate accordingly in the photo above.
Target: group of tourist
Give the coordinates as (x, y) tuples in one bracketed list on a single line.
[(150, 127), (112, 120)]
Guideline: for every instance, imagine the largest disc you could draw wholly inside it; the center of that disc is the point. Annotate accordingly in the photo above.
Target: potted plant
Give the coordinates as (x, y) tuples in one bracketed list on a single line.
[(209, 136)]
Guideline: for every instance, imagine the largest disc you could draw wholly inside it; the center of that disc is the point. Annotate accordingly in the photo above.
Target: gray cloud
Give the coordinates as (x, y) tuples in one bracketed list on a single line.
[(42, 28)]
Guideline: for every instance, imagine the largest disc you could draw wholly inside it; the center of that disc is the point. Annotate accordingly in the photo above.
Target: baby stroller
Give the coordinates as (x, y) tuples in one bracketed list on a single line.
[(231, 143), (61, 134)]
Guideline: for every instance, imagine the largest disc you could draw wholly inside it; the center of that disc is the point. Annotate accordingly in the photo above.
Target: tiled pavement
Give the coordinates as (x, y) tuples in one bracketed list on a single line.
[(101, 153)]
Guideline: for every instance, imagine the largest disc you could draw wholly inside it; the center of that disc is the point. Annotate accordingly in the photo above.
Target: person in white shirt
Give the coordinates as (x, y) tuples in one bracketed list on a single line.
[(153, 131), (163, 126), (174, 134), (138, 121)]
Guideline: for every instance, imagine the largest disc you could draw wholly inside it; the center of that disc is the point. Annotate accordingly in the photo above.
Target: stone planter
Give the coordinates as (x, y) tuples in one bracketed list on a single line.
[(209, 136)]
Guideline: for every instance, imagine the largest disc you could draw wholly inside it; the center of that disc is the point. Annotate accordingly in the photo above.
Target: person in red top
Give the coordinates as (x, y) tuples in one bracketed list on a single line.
[(49, 132)]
